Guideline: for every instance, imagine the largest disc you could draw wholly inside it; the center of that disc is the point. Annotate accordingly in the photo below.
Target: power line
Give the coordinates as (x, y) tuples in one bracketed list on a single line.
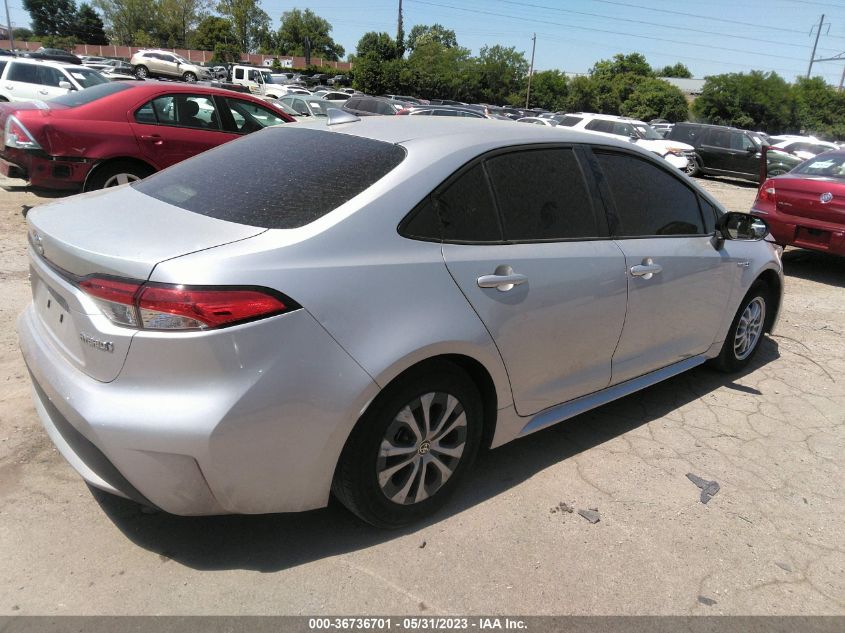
[(707, 17), (606, 31), (649, 23)]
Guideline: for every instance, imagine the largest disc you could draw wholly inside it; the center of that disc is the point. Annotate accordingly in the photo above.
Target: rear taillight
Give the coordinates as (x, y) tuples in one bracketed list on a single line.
[(16, 136), (176, 307), (766, 200)]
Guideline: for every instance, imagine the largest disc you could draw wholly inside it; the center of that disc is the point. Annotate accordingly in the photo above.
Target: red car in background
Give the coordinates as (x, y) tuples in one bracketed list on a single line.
[(120, 132), (806, 206)]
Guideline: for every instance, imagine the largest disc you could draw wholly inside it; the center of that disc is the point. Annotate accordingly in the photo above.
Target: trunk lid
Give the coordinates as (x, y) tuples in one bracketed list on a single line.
[(124, 236), (802, 198)]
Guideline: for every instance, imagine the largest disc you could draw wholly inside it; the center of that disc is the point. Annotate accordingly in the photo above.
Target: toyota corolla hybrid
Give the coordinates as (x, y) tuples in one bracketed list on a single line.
[(364, 328)]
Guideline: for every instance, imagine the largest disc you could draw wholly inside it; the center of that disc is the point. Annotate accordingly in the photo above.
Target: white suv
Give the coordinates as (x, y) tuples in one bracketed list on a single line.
[(35, 80), (157, 63), (680, 155)]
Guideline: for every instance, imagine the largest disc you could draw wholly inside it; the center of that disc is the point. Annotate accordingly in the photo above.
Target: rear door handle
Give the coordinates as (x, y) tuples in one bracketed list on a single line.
[(43, 92), (503, 279), (155, 138), (647, 269)]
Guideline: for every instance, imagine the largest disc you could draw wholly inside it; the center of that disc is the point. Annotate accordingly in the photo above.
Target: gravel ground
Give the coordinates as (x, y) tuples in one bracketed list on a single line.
[(770, 541)]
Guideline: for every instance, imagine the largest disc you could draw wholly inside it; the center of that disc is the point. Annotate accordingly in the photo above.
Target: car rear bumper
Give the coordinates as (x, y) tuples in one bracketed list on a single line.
[(45, 172), (179, 430), (806, 233)]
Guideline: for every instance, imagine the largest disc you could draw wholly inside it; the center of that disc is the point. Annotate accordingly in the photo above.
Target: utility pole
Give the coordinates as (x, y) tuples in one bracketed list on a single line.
[(9, 24), (531, 70), (815, 44), (400, 33)]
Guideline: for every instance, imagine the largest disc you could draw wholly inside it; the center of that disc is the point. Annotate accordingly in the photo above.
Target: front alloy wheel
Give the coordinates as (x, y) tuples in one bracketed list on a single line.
[(412, 447), (750, 328), (746, 331)]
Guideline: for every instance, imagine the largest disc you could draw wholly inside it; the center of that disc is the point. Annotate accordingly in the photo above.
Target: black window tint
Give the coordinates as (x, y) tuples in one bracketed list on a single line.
[(422, 222), (599, 125), (146, 114), (710, 214), (352, 103), (25, 73), (649, 201), (467, 211), (542, 195), (741, 142), (2, 66), (686, 133), (278, 185), (568, 121), (719, 138)]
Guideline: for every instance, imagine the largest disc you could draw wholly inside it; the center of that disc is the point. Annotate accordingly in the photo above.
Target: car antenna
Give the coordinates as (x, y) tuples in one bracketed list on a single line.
[(337, 116)]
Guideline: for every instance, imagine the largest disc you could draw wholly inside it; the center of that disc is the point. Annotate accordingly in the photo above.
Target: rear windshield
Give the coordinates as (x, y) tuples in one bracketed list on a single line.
[(279, 178), (81, 97), (831, 165)]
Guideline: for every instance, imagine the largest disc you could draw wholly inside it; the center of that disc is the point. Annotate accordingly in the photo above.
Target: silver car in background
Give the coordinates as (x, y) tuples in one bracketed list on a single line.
[(359, 307)]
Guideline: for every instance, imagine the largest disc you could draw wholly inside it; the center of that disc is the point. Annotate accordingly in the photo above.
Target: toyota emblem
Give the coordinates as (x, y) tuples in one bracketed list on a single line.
[(826, 197)]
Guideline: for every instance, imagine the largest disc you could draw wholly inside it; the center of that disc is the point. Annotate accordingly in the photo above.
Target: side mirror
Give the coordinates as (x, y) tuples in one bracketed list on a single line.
[(741, 226), (752, 150), (66, 85)]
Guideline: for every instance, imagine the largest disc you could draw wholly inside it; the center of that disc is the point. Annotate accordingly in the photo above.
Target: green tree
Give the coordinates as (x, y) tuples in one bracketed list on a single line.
[(178, 18), (819, 108), (549, 90), (615, 79), (757, 100), (439, 72), (63, 42), (249, 21), (582, 95), (88, 27), (51, 17), (226, 53), (375, 75), (501, 72), (379, 44), (211, 31), (422, 34), (130, 22), (22, 34), (298, 25), (676, 70), (654, 98)]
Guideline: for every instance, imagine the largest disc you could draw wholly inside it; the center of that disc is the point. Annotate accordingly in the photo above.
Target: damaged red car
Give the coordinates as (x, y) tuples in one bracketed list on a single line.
[(121, 132), (806, 206)]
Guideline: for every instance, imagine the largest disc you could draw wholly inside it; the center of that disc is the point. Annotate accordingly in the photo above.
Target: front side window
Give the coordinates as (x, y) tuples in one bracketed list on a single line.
[(542, 195), (49, 76), (740, 141), (649, 201), (719, 138), (600, 125), (86, 77), (568, 121)]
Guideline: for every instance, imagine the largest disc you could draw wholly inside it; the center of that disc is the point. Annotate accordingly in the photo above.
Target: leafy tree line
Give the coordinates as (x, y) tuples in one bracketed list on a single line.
[(57, 19), (765, 101)]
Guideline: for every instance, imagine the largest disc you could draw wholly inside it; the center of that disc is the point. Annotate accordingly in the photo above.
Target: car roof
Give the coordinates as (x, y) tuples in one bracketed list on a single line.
[(47, 62), (456, 132)]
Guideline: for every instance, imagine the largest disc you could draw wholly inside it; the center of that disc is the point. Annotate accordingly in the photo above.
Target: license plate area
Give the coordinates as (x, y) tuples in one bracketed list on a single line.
[(818, 237), (57, 318)]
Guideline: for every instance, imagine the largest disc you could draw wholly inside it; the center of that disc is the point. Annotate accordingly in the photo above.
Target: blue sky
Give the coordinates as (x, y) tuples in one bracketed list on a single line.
[(735, 36)]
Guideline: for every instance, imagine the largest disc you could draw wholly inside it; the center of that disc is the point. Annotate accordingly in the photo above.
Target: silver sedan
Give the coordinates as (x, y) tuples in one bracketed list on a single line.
[(357, 308)]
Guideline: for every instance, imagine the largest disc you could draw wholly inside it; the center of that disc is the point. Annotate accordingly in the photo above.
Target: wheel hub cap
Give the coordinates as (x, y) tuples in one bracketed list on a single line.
[(421, 448), (750, 328)]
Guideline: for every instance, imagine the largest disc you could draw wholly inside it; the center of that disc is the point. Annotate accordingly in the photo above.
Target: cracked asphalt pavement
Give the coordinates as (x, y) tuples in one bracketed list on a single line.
[(772, 541)]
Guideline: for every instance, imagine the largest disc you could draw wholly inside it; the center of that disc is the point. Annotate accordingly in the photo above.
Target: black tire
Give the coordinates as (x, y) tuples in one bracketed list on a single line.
[(356, 483), (729, 360), (109, 175), (692, 168), (189, 77), (141, 72)]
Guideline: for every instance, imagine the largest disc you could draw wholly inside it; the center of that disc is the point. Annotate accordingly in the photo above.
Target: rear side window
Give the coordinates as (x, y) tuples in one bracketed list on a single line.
[(25, 73), (568, 121), (542, 195), (2, 66), (81, 97), (649, 201), (685, 133), (600, 125), (269, 179), (466, 209)]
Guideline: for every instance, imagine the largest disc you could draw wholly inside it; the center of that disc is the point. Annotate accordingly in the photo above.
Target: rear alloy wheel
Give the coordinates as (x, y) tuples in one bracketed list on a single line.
[(746, 330), (412, 447), (190, 77), (141, 72), (116, 174)]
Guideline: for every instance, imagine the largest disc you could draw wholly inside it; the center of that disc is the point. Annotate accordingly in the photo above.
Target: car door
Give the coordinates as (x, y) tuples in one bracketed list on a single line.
[(678, 282), (715, 149), (24, 82), (168, 65), (543, 276), (173, 127)]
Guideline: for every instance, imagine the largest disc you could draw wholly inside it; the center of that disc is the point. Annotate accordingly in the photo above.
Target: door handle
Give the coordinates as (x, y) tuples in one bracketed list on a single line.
[(42, 92), (647, 269), (155, 138), (503, 279)]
